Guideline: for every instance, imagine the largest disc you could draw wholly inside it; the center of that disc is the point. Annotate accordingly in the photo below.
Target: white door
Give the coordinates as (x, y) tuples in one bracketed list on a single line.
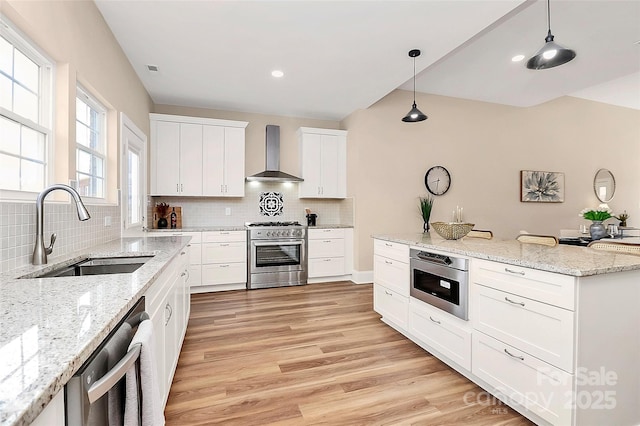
[(310, 148), (213, 160), (190, 159), (329, 166), (133, 171), (167, 153), (234, 161)]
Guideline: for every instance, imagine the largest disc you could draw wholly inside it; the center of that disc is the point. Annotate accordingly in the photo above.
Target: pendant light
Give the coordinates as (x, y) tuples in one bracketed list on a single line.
[(415, 114), (551, 54)]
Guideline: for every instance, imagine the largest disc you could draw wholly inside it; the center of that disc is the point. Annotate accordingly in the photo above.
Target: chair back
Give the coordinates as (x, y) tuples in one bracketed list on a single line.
[(547, 240), (478, 233), (628, 248)]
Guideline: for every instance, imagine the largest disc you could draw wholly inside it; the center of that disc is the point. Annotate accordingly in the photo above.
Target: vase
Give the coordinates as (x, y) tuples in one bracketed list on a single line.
[(597, 230), (425, 227)]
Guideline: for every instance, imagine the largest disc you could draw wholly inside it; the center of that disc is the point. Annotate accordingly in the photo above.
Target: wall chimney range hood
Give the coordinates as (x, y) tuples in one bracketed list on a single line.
[(272, 172)]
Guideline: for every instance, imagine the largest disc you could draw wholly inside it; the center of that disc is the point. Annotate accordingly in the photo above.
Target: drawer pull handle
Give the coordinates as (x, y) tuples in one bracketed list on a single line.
[(437, 322), (224, 233), (515, 303), (184, 252), (327, 260), (224, 266), (388, 245), (511, 271), (388, 262), (521, 358), (224, 245), (387, 293)]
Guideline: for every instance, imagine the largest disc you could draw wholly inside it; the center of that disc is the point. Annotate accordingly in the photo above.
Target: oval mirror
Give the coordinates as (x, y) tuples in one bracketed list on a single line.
[(604, 185)]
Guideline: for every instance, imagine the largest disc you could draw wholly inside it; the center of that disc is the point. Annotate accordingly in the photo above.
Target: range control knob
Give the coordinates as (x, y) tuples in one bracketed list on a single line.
[(268, 233)]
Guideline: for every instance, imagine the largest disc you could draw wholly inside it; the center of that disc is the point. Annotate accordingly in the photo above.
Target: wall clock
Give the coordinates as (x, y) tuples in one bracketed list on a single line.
[(437, 180)]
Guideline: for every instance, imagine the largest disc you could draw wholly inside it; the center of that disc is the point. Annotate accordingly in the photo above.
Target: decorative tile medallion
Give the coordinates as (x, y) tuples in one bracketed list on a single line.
[(271, 203)]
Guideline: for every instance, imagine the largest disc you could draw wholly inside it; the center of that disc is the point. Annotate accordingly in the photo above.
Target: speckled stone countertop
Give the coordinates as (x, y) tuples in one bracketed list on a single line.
[(50, 326), (338, 226), (202, 229), (562, 259)]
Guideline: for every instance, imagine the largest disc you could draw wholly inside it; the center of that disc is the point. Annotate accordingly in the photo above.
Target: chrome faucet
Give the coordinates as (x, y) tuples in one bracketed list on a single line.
[(40, 252)]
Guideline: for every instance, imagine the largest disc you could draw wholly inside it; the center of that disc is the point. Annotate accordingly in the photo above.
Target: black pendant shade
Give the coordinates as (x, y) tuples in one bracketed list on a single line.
[(551, 54), (415, 114)]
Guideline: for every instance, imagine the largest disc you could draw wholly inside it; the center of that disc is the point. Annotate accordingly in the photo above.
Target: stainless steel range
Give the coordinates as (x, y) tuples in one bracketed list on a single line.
[(277, 254)]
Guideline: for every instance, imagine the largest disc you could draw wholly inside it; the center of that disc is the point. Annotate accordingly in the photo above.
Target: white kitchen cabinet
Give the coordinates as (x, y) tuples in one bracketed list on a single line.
[(192, 156), (168, 307), (330, 253), (176, 167), (391, 283), (224, 260), (223, 155), (323, 162), (441, 331)]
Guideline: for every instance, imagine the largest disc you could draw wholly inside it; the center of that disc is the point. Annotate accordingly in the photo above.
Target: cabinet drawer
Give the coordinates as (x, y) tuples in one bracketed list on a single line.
[(224, 273), (522, 378), (224, 252), (539, 329), (318, 234), (326, 248), (440, 331), (392, 274), (326, 267), (392, 306), (223, 236), (395, 251), (547, 287), (195, 275)]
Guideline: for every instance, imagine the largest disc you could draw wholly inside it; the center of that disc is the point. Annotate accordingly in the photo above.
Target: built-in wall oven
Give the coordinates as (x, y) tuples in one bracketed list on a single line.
[(276, 254), (441, 281)]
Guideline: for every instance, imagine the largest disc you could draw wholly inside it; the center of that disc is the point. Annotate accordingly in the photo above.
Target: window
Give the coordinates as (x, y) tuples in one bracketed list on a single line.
[(25, 113), (90, 145), (133, 170)]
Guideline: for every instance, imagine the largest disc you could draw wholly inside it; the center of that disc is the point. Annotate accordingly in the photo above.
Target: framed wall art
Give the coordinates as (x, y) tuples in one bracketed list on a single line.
[(541, 187)]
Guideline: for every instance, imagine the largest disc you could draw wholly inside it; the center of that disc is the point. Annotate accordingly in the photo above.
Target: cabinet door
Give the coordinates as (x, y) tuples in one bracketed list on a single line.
[(326, 267), (234, 161), (213, 160), (158, 320), (171, 344), (392, 306), (391, 274), (310, 163), (166, 154), (329, 167), (326, 248), (190, 159)]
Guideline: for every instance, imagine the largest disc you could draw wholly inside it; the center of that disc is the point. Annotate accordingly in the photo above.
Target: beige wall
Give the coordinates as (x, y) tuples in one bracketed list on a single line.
[(255, 134), (484, 146), (76, 37)]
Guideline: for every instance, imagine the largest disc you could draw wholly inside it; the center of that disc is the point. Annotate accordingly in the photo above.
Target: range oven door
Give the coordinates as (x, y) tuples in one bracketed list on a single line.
[(277, 256), (440, 286)]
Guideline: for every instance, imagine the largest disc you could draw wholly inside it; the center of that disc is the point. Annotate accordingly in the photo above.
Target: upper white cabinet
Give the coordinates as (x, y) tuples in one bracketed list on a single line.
[(193, 156), (323, 162)]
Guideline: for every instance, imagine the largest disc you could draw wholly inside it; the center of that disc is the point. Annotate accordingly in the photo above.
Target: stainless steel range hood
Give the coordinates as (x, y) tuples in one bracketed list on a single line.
[(272, 172)]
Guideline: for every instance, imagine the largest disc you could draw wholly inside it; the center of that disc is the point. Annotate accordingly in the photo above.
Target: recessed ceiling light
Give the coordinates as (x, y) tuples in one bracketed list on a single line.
[(152, 68), (517, 58), (277, 73)]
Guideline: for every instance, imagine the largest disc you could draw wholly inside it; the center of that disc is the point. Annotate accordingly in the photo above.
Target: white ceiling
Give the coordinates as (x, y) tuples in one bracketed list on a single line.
[(340, 56)]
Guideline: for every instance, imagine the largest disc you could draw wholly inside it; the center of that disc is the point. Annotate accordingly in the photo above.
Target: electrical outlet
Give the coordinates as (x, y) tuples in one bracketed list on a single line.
[(107, 221), (227, 211)]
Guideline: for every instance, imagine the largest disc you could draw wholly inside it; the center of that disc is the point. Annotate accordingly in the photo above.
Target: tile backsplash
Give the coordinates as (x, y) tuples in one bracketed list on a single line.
[(18, 229), (211, 211)]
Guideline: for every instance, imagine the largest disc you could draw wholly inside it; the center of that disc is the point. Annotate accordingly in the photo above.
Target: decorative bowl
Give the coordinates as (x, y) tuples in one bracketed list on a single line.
[(452, 230)]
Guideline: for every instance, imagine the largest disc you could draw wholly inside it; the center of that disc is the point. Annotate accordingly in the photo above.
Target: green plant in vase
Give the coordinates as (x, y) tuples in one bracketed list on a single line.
[(426, 204)]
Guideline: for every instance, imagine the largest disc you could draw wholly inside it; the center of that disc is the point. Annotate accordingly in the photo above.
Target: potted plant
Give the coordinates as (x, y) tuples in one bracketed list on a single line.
[(426, 204), (597, 216)]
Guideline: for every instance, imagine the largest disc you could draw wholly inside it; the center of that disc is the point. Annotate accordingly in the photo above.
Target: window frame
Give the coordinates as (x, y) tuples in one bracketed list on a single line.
[(92, 102), (46, 106), (141, 146)]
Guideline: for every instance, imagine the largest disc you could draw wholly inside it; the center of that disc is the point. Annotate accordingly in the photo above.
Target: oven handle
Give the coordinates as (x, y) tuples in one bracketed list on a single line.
[(278, 243)]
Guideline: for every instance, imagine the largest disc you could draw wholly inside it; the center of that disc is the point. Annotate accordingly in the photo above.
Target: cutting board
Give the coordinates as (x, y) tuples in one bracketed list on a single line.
[(156, 217)]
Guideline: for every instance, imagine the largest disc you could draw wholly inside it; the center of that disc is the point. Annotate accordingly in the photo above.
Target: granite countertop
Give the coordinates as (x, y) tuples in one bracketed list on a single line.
[(202, 229), (50, 326), (329, 226), (562, 259)]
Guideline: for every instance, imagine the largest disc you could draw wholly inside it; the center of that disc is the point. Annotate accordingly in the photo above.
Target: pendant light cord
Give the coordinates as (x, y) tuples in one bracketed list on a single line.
[(414, 80), (549, 15)]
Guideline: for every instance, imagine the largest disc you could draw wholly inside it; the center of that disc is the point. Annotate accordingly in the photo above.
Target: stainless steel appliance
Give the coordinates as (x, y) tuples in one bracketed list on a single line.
[(277, 254), (441, 281), (95, 394)]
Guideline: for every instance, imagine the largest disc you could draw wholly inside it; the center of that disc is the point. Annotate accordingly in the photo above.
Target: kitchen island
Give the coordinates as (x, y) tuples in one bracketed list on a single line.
[(50, 326), (551, 331)]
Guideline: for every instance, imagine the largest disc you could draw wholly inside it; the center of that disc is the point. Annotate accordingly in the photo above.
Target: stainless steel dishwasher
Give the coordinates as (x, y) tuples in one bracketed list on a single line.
[(95, 395)]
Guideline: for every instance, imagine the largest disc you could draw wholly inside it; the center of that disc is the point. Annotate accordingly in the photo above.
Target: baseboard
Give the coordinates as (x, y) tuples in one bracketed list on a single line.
[(316, 280), (362, 277)]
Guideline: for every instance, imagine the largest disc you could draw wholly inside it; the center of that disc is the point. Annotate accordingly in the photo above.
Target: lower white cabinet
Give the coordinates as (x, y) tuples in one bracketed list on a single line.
[(330, 253), (53, 414), (391, 282), (441, 331), (520, 378), (393, 306), (224, 260), (167, 303)]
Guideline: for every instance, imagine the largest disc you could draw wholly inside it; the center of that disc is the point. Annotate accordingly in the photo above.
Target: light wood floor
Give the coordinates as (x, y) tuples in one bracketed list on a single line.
[(315, 354)]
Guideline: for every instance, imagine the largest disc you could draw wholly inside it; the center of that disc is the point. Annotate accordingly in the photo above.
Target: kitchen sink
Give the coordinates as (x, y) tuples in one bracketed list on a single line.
[(96, 266)]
